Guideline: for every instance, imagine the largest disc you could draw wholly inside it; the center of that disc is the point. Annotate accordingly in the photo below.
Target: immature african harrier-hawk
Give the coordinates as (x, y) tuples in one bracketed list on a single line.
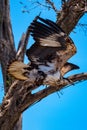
[(48, 55)]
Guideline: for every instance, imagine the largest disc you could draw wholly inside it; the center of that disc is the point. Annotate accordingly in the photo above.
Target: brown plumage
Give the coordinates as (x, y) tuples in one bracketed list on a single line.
[(49, 53)]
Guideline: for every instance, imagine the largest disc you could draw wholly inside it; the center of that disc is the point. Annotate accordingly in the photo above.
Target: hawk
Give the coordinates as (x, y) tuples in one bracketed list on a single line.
[(48, 55)]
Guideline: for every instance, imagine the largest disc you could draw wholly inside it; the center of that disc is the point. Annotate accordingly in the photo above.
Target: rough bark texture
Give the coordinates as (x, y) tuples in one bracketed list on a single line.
[(7, 49), (71, 12), (19, 94)]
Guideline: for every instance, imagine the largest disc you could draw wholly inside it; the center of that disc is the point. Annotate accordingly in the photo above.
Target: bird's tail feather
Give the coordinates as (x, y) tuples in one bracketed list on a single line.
[(17, 70)]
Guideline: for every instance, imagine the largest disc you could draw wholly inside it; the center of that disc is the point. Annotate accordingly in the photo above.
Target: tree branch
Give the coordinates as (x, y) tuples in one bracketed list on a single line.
[(23, 44), (20, 96), (7, 49), (22, 47), (52, 5), (70, 14)]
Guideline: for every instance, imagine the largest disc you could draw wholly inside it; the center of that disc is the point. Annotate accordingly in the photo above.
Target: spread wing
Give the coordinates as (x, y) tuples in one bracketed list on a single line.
[(49, 53), (50, 43), (48, 39)]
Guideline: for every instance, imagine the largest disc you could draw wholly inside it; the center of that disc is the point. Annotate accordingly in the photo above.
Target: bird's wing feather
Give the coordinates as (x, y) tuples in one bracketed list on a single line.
[(49, 38), (47, 33), (51, 46)]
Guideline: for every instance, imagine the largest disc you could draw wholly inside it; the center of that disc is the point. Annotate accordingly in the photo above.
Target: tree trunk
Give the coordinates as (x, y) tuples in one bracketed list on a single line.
[(18, 94), (7, 48)]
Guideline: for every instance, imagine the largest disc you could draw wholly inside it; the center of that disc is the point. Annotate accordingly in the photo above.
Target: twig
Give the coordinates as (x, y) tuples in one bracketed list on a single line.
[(46, 6), (52, 5)]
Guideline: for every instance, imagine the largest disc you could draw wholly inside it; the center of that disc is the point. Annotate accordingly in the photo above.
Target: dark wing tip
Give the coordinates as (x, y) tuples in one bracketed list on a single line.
[(44, 27)]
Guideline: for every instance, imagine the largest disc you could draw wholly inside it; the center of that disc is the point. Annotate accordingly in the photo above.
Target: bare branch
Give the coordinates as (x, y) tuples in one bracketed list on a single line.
[(44, 5), (52, 5), (70, 14), (23, 44), (20, 96)]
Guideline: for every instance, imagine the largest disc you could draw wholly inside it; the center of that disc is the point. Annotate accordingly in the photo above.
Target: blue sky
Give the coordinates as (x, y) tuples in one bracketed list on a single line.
[(68, 111)]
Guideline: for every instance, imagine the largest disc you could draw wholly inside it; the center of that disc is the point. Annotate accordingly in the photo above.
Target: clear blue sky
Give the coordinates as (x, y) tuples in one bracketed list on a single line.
[(69, 111)]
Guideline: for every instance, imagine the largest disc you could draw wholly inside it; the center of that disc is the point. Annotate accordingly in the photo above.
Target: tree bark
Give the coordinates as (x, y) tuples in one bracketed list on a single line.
[(7, 48), (20, 97), (71, 12), (18, 94)]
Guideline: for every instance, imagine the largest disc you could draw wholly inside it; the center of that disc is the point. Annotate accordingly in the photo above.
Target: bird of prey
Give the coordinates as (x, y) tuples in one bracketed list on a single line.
[(48, 55)]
